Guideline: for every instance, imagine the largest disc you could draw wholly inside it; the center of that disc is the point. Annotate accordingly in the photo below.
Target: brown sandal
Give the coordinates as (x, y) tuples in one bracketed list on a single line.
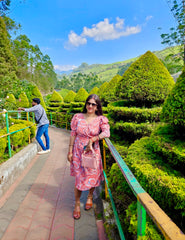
[(88, 206), (77, 214)]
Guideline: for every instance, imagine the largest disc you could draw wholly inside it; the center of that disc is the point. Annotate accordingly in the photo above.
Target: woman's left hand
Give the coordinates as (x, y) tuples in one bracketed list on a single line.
[(89, 146)]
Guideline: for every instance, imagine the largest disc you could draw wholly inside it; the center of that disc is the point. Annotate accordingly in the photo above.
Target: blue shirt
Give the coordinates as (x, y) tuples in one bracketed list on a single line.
[(39, 110)]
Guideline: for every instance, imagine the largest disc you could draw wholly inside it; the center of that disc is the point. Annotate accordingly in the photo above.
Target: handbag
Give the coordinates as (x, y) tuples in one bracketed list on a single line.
[(89, 159)]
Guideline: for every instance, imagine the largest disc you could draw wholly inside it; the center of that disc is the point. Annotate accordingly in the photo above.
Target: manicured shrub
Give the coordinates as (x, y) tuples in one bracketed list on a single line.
[(101, 91), (3, 142), (164, 184), (81, 95), (56, 97), (132, 131), (26, 123), (165, 143), (10, 103), (137, 115), (146, 80), (63, 92), (37, 94), (16, 138), (94, 91), (23, 101), (70, 97), (174, 107), (110, 91)]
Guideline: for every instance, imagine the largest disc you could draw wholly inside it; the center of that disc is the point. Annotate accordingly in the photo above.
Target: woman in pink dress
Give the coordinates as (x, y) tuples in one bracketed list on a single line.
[(87, 128)]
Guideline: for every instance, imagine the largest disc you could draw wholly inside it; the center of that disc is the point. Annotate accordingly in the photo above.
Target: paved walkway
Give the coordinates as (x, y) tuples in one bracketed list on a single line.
[(39, 205)]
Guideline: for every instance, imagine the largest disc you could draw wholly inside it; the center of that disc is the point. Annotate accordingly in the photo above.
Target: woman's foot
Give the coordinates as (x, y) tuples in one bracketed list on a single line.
[(89, 202), (76, 212)]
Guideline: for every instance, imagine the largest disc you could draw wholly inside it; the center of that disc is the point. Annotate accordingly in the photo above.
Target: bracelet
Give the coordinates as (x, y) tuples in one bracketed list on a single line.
[(71, 144), (99, 137)]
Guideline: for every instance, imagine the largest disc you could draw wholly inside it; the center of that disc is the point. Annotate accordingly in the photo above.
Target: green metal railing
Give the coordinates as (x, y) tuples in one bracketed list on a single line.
[(8, 133), (144, 202)]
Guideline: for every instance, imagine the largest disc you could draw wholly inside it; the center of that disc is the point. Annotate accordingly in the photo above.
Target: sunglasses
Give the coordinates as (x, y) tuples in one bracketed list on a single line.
[(93, 104)]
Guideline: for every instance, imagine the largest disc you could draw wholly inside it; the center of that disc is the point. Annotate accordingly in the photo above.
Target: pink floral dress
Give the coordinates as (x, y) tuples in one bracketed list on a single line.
[(86, 178)]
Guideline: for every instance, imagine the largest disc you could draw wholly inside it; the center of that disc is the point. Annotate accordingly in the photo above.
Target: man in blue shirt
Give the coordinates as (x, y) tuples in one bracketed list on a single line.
[(43, 124)]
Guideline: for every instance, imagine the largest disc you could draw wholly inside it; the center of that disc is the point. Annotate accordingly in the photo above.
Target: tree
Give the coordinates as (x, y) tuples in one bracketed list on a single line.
[(4, 6), (146, 81), (8, 63), (177, 34), (94, 91), (174, 106)]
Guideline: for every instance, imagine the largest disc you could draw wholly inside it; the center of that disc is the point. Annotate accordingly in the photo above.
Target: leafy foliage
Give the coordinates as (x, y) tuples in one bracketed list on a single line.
[(146, 80), (56, 97), (137, 115), (174, 107), (10, 102), (70, 97), (94, 91), (37, 94), (102, 90), (23, 101), (81, 95), (63, 92), (109, 93), (80, 80), (8, 63)]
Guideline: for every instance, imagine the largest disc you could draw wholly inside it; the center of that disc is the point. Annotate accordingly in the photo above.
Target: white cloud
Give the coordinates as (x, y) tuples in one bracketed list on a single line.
[(75, 40), (104, 30), (64, 67), (148, 18)]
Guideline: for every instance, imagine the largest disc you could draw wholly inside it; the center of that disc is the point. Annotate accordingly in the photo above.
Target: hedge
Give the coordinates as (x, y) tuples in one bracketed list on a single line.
[(132, 131), (70, 97), (134, 114), (164, 142), (165, 185), (81, 95), (3, 142)]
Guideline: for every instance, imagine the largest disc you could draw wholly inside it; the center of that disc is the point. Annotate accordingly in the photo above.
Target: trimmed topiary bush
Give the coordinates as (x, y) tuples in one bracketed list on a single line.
[(174, 106), (63, 92), (94, 91), (101, 91), (70, 97), (10, 102), (23, 101), (81, 95), (56, 97), (37, 94), (146, 81), (110, 91)]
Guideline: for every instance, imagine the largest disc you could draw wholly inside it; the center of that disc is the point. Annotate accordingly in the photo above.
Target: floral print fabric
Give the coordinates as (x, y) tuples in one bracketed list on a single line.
[(86, 178)]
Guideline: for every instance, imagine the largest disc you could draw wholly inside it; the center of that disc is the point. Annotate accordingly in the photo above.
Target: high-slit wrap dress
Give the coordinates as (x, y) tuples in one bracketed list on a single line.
[(86, 178)]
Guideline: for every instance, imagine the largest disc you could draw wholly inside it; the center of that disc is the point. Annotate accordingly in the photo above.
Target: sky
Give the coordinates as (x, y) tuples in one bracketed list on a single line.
[(96, 32)]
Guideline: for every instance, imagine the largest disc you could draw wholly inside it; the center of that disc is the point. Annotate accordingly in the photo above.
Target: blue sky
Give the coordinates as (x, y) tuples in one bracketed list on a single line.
[(98, 31)]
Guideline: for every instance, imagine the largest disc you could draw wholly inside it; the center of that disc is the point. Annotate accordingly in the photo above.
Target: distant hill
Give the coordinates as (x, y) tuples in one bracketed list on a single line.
[(107, 71)]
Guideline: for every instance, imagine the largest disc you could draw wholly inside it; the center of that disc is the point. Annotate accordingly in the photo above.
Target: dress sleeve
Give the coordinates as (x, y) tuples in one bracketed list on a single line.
[(74, 122), (105, 128)]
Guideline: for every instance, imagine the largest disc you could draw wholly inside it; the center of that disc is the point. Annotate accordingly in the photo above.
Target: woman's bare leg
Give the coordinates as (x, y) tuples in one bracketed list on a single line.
[(77, 199)]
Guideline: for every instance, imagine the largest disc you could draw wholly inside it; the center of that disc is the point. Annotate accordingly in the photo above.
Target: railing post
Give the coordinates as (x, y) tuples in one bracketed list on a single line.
[(27, 116), (141, 220), (33, 117), (8, 136), (105, 167), (51, 118)]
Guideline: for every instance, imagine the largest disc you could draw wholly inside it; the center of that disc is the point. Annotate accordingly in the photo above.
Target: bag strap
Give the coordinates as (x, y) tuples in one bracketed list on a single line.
[(41, 116)]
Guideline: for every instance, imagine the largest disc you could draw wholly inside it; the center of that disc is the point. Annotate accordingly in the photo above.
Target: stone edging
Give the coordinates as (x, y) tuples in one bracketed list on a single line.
[(13, 167)]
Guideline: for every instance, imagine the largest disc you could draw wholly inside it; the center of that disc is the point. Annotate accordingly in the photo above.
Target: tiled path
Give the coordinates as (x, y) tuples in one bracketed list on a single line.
[(39, 205)]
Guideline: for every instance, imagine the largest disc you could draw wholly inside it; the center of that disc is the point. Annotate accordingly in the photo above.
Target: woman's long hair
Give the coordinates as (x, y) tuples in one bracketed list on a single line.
[(99, 111)]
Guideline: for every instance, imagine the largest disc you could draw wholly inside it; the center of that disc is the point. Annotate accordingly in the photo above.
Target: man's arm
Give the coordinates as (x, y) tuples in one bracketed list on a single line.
[(32, 109)]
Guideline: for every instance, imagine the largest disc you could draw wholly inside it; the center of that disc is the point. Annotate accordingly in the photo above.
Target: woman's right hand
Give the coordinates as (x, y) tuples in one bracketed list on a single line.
[(70, 157)]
